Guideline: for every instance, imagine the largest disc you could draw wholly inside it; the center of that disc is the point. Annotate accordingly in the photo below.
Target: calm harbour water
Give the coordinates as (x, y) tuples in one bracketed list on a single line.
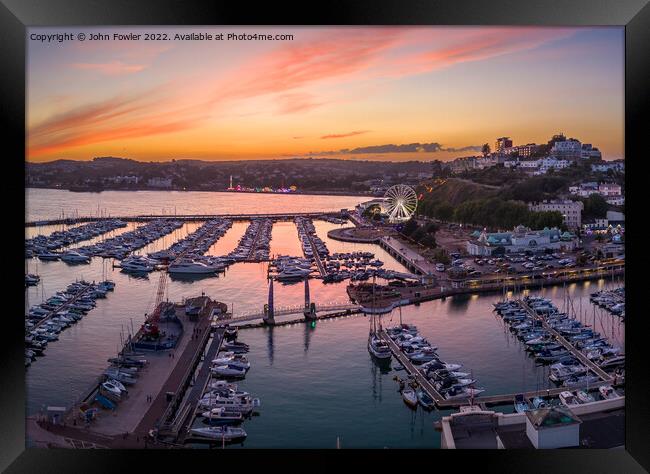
[(315, 384)]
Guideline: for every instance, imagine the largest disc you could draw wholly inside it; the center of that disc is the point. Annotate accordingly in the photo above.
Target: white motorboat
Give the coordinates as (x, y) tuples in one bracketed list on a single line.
[(244, 405), (120, 376), (136, 265), (227, 392), (232, 361), (220, 433), (410, 397), (111, 391), (229, 370), (462, 392), (222, 385), (75, 257), (567, 398), (563, 373), (584, 397), (452, 383), (436, 364), (292, 273), (191, 267), (580, 381), (222, 415), (612, 361), (607, 392)]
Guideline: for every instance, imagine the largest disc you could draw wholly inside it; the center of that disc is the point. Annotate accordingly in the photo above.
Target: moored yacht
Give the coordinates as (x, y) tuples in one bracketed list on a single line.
[(378, 347), (222, 416), (136, 265), (219, 433), (191, 267), (75, 257), (409, 397)]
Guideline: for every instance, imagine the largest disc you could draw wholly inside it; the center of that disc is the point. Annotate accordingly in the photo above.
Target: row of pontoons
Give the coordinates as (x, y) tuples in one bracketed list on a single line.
[(42, 244), (447, 378), (611, 300), (185, 256), (116, 247), (45, 321), (254, 245), (566, 370)]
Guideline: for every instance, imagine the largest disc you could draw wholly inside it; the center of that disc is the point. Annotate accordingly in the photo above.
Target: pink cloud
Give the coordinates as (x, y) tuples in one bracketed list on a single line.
[(296, 102), (112, 68), (482, 45), (286, 74)]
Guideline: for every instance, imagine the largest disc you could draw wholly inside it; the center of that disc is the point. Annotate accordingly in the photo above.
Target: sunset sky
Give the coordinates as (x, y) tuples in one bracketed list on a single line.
[(327, 92)]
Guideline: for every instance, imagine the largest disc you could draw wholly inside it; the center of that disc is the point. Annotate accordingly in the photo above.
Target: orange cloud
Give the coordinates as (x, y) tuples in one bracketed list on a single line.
[(343, 135)]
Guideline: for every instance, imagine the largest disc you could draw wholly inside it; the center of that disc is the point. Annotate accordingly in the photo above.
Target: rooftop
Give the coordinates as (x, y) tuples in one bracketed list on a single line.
[(600, 430), (553, 416)]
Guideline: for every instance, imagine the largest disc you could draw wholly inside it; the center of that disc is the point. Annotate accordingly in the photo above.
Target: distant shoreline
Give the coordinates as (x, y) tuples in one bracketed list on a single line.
[(307, 193)]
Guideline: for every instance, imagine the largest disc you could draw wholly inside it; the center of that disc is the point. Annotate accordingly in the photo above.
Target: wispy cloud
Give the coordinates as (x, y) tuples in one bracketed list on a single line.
[(483, 44), (113, 68), (290, 75), (343, 135), (296, 102)]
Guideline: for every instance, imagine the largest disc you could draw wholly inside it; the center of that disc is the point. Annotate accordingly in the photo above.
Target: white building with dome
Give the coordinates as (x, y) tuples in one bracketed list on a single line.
[(519, 240)]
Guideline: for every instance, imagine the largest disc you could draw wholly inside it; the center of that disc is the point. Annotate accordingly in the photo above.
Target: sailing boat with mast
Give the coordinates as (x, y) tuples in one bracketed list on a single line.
[(377, 346)]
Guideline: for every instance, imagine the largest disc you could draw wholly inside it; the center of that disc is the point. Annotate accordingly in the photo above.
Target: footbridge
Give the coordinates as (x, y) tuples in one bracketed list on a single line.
[(310, 310)]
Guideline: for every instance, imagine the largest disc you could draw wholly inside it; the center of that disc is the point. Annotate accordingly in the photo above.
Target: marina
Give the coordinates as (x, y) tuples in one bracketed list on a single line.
[(301, 316)]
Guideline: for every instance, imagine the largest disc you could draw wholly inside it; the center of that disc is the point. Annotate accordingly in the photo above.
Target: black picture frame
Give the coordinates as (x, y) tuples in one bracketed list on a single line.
[(16, 15)]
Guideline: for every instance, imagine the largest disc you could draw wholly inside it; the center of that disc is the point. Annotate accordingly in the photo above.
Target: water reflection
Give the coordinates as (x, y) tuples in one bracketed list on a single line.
[(458, 304), (191, 278), (269, 343), (309, 328)]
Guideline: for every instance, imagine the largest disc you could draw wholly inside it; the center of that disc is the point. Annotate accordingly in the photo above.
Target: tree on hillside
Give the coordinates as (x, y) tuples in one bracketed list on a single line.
[(485, 149), (428, 241), (441, 256), (410, 227), (444, 211), (595, 207)]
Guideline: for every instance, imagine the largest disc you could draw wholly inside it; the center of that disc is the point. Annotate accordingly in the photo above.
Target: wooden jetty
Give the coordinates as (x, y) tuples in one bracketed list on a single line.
[(189, 410), (64, 306), (317, 259), (411, 369)]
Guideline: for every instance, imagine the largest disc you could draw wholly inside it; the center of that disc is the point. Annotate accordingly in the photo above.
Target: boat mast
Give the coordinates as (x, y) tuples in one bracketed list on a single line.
[(372, 314)]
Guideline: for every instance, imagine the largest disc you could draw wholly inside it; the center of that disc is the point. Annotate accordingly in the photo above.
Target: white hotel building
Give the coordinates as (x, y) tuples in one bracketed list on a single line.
[(570, 210)]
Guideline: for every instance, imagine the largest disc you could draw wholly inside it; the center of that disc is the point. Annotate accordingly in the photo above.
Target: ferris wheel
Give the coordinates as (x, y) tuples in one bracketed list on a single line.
[(401, 202)]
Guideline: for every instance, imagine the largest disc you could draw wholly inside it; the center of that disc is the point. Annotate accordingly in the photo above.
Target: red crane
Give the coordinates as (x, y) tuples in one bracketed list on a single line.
[(151, 324)]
